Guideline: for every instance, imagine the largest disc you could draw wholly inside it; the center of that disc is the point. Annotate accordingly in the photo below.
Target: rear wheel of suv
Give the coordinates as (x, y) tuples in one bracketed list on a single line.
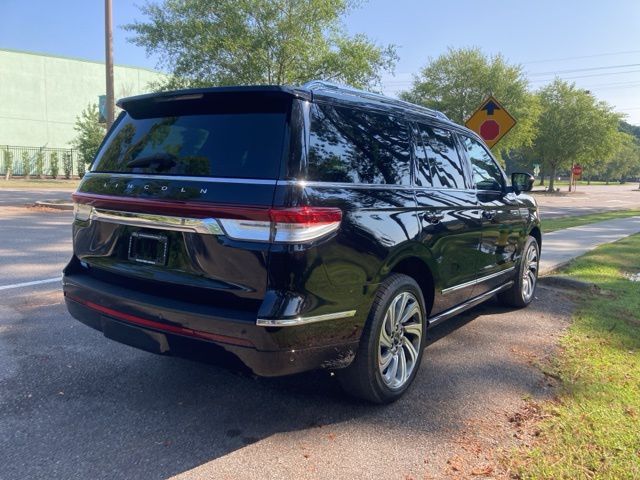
[(521, 293), (391, 345)]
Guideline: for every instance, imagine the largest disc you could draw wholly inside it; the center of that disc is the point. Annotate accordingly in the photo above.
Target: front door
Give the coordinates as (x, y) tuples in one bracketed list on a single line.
[(449, 216), (502, 223)]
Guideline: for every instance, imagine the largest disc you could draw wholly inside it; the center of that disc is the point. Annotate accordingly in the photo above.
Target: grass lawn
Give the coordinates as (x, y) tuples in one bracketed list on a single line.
[(581, 183), (45, 184), (593, 429), (565, 222)]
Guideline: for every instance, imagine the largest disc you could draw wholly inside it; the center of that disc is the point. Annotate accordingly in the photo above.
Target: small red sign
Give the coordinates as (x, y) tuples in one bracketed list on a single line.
[(489, 130), (577, 170)]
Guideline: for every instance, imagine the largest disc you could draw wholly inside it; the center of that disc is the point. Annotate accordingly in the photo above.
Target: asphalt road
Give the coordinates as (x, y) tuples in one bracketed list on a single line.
[(35, 244), (589, 199), (74, 405), (22, 197)]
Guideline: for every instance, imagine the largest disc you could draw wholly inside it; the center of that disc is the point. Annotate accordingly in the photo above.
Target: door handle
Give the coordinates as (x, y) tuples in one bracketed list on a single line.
[(433, 217), (488, 214)]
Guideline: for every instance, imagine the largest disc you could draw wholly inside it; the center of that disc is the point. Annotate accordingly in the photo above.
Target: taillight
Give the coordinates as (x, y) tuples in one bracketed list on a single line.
[(286, 225), (249, 223)]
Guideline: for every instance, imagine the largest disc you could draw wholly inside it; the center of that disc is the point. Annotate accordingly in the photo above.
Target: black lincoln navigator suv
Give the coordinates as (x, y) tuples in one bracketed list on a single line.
[(295, 229)]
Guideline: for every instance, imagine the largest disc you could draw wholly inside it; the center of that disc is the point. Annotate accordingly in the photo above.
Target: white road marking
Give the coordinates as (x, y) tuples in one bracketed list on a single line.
[(29, 284)]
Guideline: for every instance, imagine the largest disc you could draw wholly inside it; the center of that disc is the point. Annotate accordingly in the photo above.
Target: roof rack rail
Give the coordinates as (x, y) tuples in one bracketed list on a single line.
[(321, 84)]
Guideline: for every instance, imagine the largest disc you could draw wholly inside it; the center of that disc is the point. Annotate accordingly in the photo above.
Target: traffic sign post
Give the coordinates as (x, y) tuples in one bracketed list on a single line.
[(576, 172), (491, 121)]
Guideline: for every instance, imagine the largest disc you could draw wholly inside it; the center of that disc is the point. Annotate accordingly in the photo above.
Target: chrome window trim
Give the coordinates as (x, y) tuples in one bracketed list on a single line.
[(477, 280), (382, 186), (291, 322), (205, 226)]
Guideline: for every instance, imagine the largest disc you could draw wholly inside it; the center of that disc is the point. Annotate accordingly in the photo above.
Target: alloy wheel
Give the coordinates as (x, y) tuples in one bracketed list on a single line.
[(400, 340), (530, 272)]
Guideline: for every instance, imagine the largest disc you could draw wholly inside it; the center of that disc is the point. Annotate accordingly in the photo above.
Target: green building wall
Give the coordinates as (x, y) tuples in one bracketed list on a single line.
[(41, 95)]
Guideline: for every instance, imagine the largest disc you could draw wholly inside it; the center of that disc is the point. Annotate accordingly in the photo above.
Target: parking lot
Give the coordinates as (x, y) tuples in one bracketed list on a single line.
[(75, 405)]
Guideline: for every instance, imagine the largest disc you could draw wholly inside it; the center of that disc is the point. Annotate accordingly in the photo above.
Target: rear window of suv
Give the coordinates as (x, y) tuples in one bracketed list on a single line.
[(240, 145)]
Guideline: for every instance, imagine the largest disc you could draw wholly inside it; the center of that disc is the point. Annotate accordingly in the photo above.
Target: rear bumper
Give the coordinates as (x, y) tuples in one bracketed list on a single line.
[(172, 327)]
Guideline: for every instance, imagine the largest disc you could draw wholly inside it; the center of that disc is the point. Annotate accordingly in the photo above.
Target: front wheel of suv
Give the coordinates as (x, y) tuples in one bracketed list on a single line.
[(391, 345), (521, 293)]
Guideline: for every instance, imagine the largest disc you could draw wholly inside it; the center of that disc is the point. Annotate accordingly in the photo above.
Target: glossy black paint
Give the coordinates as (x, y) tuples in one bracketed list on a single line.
[(446, 238)]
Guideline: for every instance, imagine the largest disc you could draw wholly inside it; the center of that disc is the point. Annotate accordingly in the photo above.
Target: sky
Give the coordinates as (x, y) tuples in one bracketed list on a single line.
[(594, 43)]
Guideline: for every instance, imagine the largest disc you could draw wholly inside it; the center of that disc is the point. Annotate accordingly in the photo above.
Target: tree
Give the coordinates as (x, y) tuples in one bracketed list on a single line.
[(456, 82), (574, 127), (240, 42), (54, 165), (8, 163), (90, 135), (625, 162)]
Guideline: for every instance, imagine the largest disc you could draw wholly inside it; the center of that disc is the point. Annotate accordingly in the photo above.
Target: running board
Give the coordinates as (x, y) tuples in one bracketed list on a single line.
[(466, 305)]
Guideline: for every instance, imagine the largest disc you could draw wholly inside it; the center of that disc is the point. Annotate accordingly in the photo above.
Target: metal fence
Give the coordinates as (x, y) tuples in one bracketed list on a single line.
[(39, 161)]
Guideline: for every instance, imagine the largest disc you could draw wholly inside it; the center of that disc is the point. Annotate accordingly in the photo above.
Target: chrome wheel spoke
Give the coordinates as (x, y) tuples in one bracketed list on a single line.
[(402, 367), (393, 369), (402, 306), (410, 312), (410, 350), (385, 338), (413, 329), (385, 361)]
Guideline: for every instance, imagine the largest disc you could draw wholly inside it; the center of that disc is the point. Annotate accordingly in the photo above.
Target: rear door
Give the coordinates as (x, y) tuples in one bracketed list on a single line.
[(502, 223), (449, 216), (167, 194)]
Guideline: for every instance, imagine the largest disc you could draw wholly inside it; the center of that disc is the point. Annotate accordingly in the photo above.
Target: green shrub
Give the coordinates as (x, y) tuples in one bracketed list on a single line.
[(67, 165), (8, 164), (26, 165), (54, 164), (82, 168), (39, 164)]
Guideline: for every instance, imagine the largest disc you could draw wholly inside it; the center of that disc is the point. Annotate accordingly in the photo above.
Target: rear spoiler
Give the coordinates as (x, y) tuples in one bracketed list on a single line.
[(195, 101)]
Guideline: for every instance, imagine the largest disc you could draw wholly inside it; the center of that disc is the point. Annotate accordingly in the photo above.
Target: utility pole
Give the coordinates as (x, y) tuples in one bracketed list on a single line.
[(108, 48)]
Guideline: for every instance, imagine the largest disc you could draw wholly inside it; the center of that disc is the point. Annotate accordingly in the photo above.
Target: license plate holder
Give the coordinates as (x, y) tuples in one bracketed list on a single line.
[(149, 248)]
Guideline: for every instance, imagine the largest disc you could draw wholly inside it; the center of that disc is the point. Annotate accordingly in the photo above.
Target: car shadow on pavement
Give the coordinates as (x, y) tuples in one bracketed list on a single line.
[(75, 405)]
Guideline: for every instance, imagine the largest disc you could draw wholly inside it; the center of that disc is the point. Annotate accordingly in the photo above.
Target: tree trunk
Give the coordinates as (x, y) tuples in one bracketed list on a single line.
[(552, 178), (541, 179)]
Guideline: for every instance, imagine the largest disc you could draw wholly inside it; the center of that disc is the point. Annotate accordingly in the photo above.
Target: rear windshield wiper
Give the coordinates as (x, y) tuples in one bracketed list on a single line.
[(161, 161)]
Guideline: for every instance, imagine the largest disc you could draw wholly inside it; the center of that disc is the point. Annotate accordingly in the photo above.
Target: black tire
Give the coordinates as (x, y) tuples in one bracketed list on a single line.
[(364, 378), (518, 295)]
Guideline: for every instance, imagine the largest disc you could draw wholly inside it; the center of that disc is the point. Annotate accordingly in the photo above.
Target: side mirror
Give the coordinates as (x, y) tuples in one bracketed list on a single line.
[(522, 182)]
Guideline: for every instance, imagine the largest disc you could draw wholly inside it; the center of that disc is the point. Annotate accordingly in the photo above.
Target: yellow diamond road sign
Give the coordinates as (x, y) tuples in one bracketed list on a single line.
[(491, 121)]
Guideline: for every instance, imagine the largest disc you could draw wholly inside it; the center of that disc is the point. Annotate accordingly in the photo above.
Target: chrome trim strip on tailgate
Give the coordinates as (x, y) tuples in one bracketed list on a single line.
[(205, 226), (290, 322)]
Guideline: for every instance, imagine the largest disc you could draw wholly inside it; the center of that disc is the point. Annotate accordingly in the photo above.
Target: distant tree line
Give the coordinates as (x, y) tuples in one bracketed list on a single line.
[(240, 42)]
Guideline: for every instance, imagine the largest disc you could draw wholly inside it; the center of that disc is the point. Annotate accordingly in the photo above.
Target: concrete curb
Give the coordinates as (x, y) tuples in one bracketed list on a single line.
[(53, 204)]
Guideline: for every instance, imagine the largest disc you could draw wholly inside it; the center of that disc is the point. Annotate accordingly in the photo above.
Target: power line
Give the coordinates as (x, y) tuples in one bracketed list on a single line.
[(584, 76), (580, 57), (576, 70)]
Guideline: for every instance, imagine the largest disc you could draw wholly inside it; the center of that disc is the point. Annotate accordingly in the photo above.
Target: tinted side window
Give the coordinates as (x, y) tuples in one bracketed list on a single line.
[(424, 177), (444, 161), (486, 173), (357, 146)]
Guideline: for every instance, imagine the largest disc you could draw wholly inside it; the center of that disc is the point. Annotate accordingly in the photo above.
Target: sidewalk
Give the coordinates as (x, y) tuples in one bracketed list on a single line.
[(561, 246)]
